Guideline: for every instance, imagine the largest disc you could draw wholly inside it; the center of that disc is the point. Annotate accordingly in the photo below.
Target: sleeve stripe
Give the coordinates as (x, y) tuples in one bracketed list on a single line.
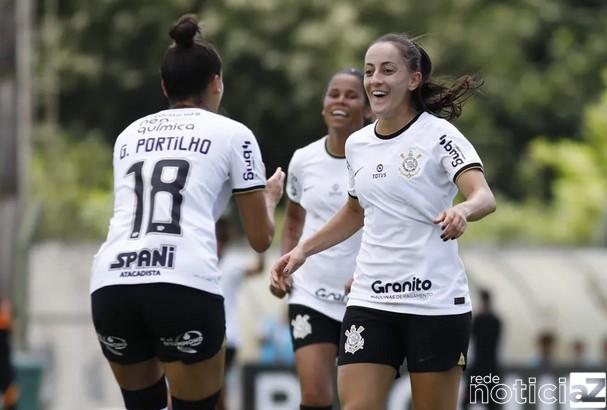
[(249, 189), (473, 165)]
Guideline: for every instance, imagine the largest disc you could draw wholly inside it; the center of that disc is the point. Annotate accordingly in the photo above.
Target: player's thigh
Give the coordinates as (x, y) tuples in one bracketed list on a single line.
[(198, 380), (137, 376), (364, 386), (370, 353), (315, 368), (424, 388)]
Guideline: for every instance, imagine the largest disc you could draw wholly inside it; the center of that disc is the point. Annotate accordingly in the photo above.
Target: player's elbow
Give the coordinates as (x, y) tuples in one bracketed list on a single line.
[(261, 241), (492, 203)]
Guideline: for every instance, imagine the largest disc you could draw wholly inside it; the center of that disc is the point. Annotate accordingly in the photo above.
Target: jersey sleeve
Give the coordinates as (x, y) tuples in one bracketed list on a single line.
[(294, 181), (247, 170), (456, 154)]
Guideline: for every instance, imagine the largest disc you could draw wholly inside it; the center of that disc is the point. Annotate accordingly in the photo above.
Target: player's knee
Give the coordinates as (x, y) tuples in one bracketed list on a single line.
[(150, 398), (209, 403), (316, 392), (317, 397)]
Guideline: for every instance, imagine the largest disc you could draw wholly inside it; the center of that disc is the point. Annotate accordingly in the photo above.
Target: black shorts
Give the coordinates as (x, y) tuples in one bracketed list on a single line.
[(171, 322), (429, 343), (309, 326)]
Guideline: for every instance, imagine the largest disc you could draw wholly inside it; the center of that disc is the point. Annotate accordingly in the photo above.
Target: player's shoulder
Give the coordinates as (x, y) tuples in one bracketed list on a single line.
[(437, 126), (361, 137), (310, 150), (225, 124)]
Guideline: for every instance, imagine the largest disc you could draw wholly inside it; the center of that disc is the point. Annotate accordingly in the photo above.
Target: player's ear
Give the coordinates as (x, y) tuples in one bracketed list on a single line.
[(164, 89), (216, 85)]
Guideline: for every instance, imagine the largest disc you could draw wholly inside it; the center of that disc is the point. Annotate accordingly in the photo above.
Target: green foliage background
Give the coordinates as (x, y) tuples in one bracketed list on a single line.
[(539, 123)]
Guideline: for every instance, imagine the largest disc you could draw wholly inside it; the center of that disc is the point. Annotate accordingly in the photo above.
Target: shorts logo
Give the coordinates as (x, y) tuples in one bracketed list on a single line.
[(301, 326), (354, 341), (462, 360), (113, 344), (410, 165), (185, 342)]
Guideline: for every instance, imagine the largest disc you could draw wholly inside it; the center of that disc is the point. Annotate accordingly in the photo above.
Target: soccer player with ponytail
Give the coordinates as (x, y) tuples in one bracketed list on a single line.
[(410, 298)]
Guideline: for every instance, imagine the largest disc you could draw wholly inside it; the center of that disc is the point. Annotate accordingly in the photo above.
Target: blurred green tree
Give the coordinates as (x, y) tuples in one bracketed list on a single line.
[(541, 61)]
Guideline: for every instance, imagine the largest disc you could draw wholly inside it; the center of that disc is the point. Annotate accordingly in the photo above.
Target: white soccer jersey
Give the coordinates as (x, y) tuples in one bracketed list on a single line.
[(403, 182), (318, 182), (173, 173)]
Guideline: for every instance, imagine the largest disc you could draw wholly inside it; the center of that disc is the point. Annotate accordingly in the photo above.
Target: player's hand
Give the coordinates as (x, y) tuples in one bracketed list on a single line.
[(284, 268), (453, 223), (275, 186), (278, 292)]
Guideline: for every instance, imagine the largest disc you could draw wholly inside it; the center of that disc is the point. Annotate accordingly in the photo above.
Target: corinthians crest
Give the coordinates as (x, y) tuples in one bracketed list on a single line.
[(301, 326), (410, 166), (354, 341)]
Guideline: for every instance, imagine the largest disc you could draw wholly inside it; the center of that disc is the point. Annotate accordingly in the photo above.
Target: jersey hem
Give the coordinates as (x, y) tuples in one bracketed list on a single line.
[(334, 311), (249, 189), (412, 310), (208, 289), (473, 165)]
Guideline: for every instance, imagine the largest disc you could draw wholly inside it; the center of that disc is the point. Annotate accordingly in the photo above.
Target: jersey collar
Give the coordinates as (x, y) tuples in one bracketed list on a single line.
[(397, 133)]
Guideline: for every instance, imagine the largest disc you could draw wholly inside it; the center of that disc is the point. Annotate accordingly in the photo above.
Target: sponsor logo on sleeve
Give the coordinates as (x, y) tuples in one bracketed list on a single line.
[(457, 157), (249, 161)]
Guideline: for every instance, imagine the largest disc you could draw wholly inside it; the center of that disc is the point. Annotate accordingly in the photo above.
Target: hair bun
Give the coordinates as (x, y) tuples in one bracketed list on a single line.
[(185, 31)]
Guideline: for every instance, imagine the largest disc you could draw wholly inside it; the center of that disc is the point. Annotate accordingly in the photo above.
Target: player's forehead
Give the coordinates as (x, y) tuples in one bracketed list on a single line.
[(382, 53), (344, 82)]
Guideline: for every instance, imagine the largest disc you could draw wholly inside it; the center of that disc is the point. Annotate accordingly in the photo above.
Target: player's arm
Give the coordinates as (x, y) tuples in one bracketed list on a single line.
[(256, 210), (345, 223), (479, 202), (295, 217)]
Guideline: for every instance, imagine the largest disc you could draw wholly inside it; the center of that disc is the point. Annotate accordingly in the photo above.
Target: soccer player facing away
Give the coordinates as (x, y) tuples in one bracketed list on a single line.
[(317, 189), (155, 287), (409, 297)]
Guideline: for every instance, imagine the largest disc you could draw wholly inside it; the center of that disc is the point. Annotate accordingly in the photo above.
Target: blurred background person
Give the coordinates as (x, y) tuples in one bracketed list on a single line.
[(546, 344), (485, 337), (579, 354), (9, 393), (274, 335)]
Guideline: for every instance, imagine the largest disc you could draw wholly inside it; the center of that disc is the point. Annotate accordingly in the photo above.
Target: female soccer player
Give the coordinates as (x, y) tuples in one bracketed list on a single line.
[(410, 296), (317, 189), (156, 299)]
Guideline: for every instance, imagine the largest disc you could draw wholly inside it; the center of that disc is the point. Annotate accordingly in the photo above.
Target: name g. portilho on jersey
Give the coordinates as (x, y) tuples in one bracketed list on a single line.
[(166, 143)]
